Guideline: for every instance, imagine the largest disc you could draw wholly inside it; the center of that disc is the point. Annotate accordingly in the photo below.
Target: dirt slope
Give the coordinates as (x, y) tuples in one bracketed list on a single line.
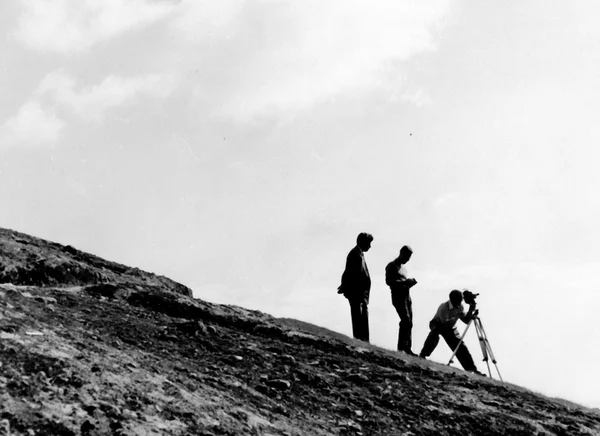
[(89, 347)]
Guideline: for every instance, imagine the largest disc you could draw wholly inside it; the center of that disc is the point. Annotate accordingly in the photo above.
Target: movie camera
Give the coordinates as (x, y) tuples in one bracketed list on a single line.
[(469, 297)]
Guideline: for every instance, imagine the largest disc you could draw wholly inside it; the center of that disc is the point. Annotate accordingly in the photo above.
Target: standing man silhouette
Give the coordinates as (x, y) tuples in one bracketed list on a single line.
[(397, 279), (356, 286)]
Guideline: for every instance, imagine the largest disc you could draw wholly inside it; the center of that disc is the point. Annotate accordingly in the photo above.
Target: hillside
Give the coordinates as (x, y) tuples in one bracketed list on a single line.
[(91, 347)]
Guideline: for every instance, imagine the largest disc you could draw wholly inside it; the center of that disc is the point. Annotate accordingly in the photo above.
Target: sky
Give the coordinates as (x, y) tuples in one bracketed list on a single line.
[(239, 147)]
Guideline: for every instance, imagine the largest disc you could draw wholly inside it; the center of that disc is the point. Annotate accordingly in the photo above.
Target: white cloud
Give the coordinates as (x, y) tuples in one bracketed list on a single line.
[(419, 97), (200, 20), (446, 199), (289, 55), (66, 26), (32, 125), (256, 57), (92, 102), (584, 14)]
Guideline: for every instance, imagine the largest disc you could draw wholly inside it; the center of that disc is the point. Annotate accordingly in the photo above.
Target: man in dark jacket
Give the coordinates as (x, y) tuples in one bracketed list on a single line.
[(444, 324), (356, 286), (397, 279)]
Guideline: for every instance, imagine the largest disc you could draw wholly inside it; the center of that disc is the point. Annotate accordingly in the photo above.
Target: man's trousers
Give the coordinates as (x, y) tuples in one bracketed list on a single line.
[(452, 338), (360, 318), (403, 304)]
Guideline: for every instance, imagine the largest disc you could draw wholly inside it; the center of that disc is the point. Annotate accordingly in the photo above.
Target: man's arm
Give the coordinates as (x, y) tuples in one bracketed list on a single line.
[(472, 313), (394, 279), (441, 316), (354, 265), (352, 276)]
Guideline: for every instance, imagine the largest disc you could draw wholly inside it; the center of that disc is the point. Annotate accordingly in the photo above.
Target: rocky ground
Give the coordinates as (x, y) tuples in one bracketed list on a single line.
[(90, 347)]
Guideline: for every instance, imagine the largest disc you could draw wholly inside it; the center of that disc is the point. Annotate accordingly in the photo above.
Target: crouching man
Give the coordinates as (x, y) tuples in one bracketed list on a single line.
[(444, 324)]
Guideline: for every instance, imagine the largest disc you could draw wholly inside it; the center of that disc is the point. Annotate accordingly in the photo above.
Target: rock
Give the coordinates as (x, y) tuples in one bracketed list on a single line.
[(193, 327), (350, 425), (34, 333), (281, 410), (279, 384), (288, 358), (357, 378), (115, 427), (90, 408), (102, 290), (262, 389), (128, 414), (9, 328), (69, 249), (46, 300), (86, 428)]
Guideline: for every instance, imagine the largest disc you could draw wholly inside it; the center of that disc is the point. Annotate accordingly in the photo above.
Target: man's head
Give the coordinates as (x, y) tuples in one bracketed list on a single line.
[(364, 241), (405, 254), (456, 297)]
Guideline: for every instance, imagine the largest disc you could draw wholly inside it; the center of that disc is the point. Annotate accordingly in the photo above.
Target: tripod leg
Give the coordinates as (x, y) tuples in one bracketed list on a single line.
[(489, 349), (482, 344), (460, 342)]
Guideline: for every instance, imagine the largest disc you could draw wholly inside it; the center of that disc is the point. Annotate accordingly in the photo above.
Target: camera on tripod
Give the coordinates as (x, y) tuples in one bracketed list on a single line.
[(469, 297)]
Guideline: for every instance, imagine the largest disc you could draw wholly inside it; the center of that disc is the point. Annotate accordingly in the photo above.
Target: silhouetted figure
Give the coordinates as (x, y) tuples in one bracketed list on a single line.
[(396, 278), (444, 324), (356, 286)]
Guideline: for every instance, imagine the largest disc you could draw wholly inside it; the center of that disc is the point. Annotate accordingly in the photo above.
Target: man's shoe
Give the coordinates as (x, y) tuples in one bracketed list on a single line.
[(475, 371), (410, 353)]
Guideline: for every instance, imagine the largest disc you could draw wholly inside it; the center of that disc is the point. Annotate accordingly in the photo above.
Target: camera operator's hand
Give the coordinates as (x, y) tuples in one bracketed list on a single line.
[(473, 311), (411, 282)]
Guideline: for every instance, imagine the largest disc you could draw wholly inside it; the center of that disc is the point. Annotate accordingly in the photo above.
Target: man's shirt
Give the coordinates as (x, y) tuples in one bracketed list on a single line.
[(396, 276), (447, 315)]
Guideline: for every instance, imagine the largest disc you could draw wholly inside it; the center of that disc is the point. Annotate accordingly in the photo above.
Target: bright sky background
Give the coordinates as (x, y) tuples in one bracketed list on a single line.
[(239, 147)]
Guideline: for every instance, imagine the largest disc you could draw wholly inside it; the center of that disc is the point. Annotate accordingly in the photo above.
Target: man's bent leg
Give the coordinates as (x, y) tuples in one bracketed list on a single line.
[(463, 355), (432, 341)]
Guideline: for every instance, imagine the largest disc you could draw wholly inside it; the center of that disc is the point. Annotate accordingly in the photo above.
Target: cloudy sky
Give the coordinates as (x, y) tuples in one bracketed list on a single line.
[(240, 146)]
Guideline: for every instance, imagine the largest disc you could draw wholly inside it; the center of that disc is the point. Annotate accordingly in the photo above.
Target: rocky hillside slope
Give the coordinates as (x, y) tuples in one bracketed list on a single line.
[(90, 347)]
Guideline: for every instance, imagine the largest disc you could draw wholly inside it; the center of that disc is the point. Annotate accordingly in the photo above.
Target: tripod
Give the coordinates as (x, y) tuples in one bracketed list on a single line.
[(486, 348)]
